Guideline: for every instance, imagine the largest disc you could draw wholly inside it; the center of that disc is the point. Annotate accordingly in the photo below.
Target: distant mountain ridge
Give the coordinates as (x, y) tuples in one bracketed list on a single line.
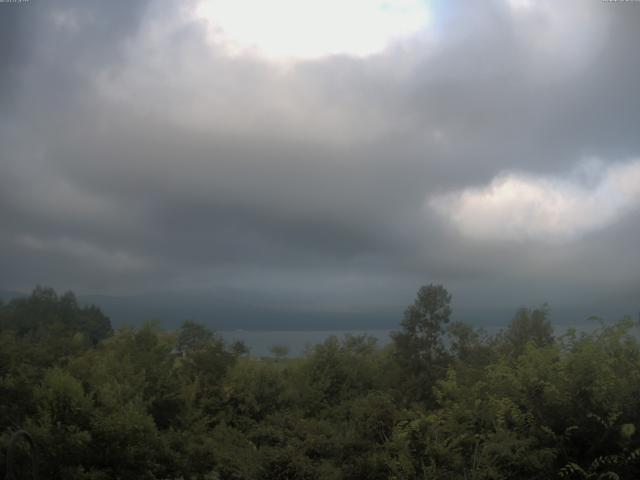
[(232, 310), (6, 295), (218, 313), (224, 311)]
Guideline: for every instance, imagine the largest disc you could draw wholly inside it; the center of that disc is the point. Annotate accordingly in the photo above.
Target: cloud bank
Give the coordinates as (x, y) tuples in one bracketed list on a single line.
[(151, 146), (543, 208)]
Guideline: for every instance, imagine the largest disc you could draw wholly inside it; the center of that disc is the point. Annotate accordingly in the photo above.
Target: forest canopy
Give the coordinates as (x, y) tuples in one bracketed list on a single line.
[(443, 400)]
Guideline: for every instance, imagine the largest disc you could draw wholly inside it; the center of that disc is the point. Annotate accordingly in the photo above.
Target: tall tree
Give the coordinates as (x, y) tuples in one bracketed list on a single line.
[(419, 346), (528, 326)]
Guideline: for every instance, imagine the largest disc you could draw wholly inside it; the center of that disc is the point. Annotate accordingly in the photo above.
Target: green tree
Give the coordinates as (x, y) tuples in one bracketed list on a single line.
[(193, 337), (528, 326), (44, 314), (419, 346), (279, 351)]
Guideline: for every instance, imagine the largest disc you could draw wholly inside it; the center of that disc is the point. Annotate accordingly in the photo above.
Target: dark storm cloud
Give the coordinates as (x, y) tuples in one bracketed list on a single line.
[(138, 156), (14, 49)]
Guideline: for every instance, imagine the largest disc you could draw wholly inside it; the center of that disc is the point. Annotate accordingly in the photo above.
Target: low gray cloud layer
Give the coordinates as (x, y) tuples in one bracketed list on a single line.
[(138, 155)]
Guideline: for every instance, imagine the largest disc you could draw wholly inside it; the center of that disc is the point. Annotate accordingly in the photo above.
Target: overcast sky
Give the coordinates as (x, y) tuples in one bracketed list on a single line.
[(328, 152)]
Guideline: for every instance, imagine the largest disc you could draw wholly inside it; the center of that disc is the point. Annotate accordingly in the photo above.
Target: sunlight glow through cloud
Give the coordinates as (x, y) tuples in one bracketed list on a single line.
[(548, 209), (302, 29)]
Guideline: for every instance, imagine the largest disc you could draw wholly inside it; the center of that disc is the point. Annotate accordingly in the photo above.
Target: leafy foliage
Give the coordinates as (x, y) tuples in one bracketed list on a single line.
[(418, 346), (442, 401)]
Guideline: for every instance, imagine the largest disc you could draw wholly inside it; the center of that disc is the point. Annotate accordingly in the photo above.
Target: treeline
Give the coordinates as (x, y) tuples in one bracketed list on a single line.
[(441, 401)]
